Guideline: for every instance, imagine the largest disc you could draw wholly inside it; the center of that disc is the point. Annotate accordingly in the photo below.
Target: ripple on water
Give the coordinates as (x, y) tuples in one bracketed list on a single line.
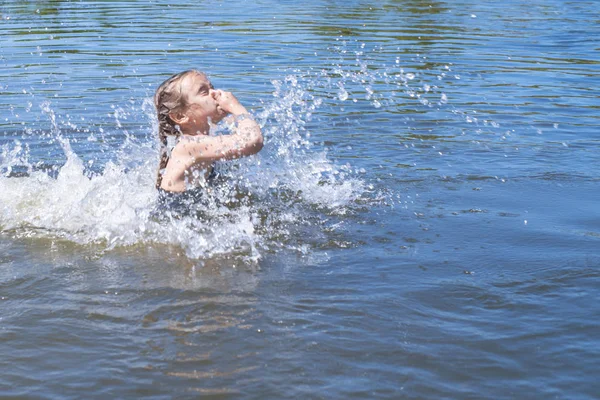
[(421, 223)]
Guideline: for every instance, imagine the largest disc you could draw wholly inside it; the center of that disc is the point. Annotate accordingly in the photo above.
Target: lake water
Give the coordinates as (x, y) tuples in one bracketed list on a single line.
[(423, 221)]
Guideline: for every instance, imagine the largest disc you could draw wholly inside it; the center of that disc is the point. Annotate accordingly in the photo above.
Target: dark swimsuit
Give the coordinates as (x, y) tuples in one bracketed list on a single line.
[(180, 202)]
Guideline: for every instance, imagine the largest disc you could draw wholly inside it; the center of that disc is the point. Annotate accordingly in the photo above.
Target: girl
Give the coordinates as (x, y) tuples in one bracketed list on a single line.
[(187, 104)]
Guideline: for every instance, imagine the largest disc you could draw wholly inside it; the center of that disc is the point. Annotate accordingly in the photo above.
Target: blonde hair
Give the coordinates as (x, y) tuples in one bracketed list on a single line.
[(167, 99)]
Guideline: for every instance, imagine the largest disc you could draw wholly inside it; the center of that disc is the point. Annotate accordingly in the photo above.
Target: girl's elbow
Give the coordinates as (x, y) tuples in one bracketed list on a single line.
[(254, 146), (258, 144), (250, 148)]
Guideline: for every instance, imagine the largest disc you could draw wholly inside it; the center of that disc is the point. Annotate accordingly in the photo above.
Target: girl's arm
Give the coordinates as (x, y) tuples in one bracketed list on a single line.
[(245, 141)]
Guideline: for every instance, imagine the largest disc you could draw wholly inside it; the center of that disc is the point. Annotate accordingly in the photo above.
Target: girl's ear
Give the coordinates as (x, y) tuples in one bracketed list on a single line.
[(178, 117)]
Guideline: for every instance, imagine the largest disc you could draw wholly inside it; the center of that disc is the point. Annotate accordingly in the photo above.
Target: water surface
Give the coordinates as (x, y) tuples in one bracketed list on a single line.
[(422, 222)]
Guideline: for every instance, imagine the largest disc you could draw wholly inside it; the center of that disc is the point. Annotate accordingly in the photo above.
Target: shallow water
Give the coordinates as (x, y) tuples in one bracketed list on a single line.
[(423, 221)]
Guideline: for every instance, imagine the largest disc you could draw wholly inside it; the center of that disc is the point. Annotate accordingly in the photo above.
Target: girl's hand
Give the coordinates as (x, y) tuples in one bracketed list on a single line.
[(228, 103)]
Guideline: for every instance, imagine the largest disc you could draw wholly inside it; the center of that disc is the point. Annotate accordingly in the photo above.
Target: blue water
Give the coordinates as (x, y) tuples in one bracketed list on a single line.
[(422, 222)]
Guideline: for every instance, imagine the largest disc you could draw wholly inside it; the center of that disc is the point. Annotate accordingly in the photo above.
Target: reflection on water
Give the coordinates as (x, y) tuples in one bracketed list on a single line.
[(421, 222)]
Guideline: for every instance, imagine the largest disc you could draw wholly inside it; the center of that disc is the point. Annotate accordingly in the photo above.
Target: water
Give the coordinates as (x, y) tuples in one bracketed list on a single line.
[(422, 222)]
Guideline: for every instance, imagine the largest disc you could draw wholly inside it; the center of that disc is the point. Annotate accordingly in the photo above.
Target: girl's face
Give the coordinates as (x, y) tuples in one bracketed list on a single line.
[(202, 108)]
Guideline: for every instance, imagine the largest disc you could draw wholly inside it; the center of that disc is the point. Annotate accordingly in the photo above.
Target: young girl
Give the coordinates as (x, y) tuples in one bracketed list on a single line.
[(187, 104)]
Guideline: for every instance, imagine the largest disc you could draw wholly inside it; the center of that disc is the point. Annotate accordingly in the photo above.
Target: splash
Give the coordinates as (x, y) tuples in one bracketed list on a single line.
[(290, 189), (97, 185)]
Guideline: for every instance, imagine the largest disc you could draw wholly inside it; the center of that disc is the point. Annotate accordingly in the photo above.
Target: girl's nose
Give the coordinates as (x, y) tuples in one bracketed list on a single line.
[(215, 94)]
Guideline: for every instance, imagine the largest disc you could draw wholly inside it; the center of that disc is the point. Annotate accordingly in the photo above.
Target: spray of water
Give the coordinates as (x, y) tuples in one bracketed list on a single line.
[(290, 196), (265, 203)]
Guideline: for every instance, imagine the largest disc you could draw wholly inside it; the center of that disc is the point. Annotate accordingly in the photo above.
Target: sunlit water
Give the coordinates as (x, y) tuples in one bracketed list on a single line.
[(421, 223)]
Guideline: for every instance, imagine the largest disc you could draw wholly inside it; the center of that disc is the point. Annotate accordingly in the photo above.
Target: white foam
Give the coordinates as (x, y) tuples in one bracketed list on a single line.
[(117, 205)]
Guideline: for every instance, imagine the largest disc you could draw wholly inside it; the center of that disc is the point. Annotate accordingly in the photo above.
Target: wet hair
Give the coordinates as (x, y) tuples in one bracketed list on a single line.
[(167, 99)]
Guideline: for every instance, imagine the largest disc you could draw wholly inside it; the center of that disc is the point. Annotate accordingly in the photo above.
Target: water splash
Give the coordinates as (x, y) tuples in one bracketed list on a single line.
[(291, 196), (267, 203)]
